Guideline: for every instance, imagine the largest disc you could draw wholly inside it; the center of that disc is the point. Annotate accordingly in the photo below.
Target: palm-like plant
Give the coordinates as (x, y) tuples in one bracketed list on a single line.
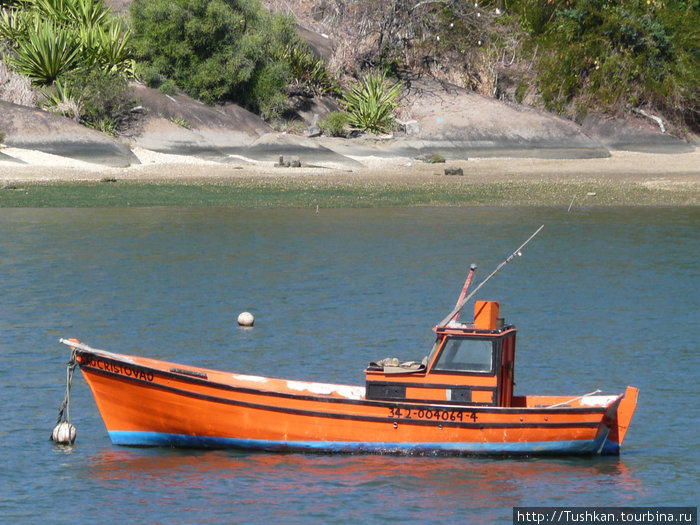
[(113, 49), (53, 36), (13, 24), (45, 52), (371, 102), (64, 99)]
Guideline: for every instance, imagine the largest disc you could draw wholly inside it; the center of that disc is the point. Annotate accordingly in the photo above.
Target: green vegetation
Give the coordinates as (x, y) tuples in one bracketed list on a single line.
[(2, 136), (283, 192), (76, 53), (370, 103), (334, 124), (181, 122), (51, 37), (310, 71), (622, 55), (569, 56), (222, 50)]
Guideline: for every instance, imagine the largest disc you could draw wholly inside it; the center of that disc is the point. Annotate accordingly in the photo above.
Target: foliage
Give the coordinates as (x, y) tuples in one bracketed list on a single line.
[(310, 70), (218, 50), (181, 122), (370, 102), (105, 98), (45, 52), (52, 37), (168, 87), (334, 124), (63, 99), (2, 136), (614, 55)]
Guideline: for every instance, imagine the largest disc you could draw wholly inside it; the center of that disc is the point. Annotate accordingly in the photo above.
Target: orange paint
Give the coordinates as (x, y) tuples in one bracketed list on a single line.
[(460, 400)]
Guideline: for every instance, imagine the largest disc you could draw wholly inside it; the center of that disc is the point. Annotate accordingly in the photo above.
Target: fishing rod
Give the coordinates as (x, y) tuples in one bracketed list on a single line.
[(460, 304)]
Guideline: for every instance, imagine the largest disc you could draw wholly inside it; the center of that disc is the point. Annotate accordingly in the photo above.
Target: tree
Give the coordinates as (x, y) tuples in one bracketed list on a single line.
[(215, 50)]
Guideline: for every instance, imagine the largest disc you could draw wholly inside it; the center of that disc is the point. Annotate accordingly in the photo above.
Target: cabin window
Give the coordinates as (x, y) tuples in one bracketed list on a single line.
[(466, 355)]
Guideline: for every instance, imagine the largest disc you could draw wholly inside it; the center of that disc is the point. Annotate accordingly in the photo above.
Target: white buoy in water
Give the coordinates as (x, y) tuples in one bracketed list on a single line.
[(64, 433), (246, 319)]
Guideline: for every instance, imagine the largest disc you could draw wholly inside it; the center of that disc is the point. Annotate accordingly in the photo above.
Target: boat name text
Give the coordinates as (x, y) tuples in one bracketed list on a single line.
[(435, 414), (129, 371)]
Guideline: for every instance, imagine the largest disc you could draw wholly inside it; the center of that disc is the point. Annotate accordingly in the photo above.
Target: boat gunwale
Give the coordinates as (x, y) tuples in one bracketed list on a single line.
[(324, 398), (357, 417)]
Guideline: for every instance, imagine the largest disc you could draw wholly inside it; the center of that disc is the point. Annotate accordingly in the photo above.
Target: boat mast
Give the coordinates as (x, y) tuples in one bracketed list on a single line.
[(460, 304), (472, 270)]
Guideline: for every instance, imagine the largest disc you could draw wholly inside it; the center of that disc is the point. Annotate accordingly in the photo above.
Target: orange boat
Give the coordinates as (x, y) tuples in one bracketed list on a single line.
[(457, 400)]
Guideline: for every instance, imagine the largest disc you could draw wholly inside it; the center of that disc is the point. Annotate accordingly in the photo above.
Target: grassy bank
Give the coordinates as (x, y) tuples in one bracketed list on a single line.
[(260, 193)]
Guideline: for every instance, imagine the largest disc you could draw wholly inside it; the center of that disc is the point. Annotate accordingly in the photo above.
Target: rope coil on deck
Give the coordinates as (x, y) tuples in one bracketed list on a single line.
[(64, 433)]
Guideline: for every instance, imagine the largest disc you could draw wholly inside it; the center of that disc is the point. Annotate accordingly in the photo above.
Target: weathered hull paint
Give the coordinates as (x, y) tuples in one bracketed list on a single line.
[(146, 402), (156, 439)]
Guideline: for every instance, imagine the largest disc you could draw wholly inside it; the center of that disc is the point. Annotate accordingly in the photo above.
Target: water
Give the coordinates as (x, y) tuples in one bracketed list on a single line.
[(602, 298)]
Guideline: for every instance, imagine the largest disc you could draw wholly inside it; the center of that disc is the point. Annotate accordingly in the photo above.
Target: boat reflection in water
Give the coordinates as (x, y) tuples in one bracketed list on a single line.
[(243, 481)]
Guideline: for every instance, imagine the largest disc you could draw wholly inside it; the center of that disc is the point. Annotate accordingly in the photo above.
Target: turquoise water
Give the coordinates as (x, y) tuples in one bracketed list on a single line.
[(602, 298)]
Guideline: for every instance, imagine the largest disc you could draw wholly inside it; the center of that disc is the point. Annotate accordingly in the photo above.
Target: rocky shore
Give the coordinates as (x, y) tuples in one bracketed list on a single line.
[(174, 139)]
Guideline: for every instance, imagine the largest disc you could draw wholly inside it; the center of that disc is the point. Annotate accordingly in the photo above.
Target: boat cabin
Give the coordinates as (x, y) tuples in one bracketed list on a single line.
[(470, 364)]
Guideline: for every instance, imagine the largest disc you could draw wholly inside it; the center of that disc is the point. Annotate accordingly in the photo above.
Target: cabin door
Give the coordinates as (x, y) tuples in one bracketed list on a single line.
[(506, 371)]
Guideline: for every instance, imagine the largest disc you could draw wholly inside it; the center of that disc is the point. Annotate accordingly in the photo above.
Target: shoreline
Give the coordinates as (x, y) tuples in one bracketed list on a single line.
[(623, 179)]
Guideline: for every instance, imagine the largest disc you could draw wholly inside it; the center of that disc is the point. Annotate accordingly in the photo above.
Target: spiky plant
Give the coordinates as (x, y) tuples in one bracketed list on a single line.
[(45, 53), (64, 99), (371, 102)]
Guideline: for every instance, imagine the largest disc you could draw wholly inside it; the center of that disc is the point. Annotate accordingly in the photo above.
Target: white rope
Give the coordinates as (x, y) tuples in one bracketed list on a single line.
[(64, 409), (575, 399)]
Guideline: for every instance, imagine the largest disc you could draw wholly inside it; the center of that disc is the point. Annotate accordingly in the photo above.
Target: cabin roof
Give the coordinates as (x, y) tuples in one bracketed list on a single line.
[(465, 329)]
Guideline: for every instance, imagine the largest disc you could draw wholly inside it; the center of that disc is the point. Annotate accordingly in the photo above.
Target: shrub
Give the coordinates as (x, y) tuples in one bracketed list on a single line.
[(216, 50), (45, 51), (2, 136), (310, 70), (63, 99), (168, 87), (334, 124), (49, 38), (181, 122), (371, 102), (614, 56), (106, 100)]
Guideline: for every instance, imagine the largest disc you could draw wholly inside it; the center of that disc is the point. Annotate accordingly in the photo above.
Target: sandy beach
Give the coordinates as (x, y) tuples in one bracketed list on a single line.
[(660, 179)]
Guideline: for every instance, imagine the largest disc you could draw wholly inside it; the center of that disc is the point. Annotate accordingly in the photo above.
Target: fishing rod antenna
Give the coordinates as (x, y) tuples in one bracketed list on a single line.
[(464, 300)]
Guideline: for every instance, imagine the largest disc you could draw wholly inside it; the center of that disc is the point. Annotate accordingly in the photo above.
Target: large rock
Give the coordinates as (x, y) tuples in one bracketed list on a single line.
[(633, 134), (181, 125), (457, 123), (271, 146), (39, 130)]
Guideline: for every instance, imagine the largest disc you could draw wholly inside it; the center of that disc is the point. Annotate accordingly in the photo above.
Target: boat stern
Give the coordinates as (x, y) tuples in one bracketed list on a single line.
[(621, 422)]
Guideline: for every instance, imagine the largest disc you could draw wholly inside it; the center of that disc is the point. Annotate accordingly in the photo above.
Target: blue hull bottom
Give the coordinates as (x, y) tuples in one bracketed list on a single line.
[(157, 439)]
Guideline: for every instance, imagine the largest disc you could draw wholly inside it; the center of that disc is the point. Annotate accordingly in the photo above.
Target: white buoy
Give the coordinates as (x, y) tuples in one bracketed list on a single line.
[(64, 433), (246, 319)]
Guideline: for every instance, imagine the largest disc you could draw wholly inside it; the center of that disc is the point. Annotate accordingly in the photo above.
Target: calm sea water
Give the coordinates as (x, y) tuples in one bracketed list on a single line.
[(602, 298)]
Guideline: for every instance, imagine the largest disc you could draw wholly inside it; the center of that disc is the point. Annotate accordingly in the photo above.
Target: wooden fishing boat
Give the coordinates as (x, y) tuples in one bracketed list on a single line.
[(458, 400)]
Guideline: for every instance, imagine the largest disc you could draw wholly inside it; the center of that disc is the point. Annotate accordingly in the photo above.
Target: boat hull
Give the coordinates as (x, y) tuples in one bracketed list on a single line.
[(146, 402)]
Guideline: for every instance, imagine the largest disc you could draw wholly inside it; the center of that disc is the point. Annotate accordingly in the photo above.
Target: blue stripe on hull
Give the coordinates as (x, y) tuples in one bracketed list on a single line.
[(610, 448), (150, 439)]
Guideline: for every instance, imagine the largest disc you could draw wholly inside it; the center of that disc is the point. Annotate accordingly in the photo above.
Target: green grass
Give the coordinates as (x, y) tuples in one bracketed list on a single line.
[(256, 193)]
